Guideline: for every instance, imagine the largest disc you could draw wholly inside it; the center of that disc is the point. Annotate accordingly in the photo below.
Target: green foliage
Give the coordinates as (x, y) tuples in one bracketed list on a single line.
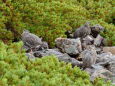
[(51, 18), (16, 70)]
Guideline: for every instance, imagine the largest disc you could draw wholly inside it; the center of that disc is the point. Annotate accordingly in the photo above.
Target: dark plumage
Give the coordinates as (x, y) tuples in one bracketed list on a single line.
[(83, 31), (96, 29), (30, 40), (69, 34)]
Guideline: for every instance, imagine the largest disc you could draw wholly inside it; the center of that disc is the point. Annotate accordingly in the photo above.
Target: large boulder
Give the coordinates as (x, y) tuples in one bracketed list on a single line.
[(69, 46)]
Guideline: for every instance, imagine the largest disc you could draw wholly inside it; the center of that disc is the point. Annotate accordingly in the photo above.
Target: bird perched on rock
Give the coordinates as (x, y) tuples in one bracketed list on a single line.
[(89, 56), (30, 40), (96, 29), (83, 31)]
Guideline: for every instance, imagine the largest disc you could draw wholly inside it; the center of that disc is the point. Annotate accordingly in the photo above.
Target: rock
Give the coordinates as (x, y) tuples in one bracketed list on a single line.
[(98, 41), (107, 60), (75, 62), (92, 69), (112, 64), (37, 48), (104, 57), (109, 49), (38, 54), (112, 68), (89, 71), (26, 48), (89, 57), (30, 56), (96, 29), (62, 57), (88, 40), (103, 73), (82, 31), (69, 46), (98, 71)]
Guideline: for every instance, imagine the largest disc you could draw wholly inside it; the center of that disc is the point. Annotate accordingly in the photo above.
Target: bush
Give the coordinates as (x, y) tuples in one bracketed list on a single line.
[(51, 18), (16, 70)]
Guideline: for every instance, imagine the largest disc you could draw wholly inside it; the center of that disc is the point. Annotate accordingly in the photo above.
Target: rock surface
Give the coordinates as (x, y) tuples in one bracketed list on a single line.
[(69, 46), (84, 50), (98, 71), (61, 56), (98, 41), (109, 49), (89, 57)]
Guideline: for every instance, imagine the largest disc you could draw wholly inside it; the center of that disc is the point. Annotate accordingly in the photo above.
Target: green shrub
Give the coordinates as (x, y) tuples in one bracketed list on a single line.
[(16, 70), (51, 18)]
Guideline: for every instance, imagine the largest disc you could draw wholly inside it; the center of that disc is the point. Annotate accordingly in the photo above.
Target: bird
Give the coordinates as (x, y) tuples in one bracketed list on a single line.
[(89, 56), (96, 29), (30, 40), (82, 31)]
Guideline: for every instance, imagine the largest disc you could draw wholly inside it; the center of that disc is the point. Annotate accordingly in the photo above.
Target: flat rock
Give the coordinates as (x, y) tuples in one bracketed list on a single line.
[(109, 49)]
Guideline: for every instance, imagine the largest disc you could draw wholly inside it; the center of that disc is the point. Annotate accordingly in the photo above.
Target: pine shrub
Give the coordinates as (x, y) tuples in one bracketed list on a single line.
[(50, 19), (17, 70)]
